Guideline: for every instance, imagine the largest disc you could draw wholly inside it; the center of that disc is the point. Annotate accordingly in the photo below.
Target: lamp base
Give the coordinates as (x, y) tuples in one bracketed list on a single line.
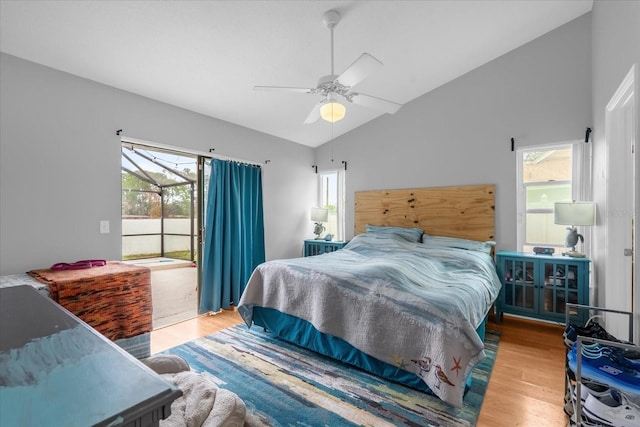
[(318, 229), (574, 254)]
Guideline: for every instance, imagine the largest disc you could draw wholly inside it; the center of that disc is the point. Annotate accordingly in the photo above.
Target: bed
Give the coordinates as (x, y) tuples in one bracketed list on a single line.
[(406, 298)]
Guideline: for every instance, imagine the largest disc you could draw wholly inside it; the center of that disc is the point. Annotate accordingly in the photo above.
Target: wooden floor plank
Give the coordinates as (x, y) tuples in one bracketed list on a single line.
[(526, 388), (180, 333)]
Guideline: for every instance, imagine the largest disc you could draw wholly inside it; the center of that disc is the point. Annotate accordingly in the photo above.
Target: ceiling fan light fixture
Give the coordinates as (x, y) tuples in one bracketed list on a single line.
[(332, 111), (331, 86)]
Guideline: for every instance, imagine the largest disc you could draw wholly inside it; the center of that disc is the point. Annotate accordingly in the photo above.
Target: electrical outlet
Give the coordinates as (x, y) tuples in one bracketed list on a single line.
[(104, 227)]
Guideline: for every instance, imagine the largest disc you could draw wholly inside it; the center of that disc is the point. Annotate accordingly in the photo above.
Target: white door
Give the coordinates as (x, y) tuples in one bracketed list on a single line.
[(619, 214)]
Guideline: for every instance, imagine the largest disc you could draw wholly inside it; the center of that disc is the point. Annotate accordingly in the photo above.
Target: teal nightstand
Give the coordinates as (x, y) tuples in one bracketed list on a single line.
[(317, 247), (539, 286)]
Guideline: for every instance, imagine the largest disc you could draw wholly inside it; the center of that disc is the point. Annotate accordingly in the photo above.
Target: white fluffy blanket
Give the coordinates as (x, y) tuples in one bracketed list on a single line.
[(202, 403)]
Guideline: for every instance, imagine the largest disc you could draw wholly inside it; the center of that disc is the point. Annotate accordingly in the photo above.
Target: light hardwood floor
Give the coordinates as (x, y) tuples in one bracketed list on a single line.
[(526, 387)]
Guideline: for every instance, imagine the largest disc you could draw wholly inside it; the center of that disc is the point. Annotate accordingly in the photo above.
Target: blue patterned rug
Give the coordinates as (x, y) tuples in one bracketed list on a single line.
[(285, 385)]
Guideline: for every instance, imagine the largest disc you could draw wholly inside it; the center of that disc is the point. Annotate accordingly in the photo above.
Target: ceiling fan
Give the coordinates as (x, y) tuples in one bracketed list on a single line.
[(333, 88)]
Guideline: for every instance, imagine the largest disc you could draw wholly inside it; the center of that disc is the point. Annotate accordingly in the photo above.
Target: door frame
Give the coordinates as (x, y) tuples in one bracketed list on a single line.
[(621, 290), (202, 200)]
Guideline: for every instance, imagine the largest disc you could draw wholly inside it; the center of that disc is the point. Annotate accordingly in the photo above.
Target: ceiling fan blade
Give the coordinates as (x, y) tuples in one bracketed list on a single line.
[(374, 103), (314, 115), (284, 89), (359, 70)]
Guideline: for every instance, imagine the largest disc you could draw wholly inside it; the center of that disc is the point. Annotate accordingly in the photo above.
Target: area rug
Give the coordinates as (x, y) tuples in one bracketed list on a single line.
[(285, 385)]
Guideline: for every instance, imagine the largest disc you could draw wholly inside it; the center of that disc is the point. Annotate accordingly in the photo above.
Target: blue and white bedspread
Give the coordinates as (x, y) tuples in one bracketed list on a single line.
[(407, 304)]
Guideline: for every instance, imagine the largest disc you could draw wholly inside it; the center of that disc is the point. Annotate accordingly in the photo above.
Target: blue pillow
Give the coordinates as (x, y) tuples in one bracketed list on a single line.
[(410, 234), (453, 242)]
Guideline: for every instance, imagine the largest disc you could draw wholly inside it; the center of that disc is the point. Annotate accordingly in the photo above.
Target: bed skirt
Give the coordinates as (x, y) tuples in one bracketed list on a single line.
[(302, 333)]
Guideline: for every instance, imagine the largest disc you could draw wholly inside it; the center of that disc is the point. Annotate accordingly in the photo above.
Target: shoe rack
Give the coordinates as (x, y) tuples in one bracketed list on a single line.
[(577, 402)]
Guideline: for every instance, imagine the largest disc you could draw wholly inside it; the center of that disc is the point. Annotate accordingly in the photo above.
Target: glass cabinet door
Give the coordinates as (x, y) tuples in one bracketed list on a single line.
[(560, 287), (519, 286)]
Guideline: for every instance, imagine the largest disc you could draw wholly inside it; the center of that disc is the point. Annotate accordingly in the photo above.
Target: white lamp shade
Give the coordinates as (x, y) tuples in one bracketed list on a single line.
[(575, 213), (332, 111), (319, 215)]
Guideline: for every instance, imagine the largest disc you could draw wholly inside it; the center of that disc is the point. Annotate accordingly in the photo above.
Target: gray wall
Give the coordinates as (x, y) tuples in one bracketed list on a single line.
[(460, 133), (60, 166), (52, 122)]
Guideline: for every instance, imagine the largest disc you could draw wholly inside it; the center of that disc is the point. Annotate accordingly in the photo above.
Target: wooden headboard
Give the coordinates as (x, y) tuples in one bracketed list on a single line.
[(462, 211)]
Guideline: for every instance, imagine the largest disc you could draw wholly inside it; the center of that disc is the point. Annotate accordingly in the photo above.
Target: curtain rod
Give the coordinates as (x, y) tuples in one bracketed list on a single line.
[(152, 145), (586, 138)]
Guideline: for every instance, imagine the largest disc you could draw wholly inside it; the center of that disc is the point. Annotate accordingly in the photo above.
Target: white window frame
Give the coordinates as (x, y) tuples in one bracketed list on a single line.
[(340, 207), (580, 182)]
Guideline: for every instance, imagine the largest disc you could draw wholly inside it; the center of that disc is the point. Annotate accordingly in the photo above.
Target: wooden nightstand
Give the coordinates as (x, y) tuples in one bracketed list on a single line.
[(318, 247)]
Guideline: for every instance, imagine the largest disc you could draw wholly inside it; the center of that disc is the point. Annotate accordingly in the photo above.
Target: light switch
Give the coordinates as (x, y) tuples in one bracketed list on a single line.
[(104, 227)]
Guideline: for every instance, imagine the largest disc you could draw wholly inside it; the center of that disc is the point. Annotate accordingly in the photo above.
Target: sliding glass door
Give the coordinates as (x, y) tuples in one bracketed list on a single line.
[(162, 224)]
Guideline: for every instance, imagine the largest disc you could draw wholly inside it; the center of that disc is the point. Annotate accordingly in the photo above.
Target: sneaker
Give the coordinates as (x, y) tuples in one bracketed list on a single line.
[(587, 388), (620, 355), (613, 410), (590, 388), (601, 365), (592, 329)]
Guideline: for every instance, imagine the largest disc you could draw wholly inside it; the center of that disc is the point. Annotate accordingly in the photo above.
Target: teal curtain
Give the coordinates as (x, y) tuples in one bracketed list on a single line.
[(234, 233)]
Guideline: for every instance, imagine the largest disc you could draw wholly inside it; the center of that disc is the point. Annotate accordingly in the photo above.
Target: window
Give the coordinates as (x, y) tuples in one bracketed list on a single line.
[(331, 197), (547, 174)]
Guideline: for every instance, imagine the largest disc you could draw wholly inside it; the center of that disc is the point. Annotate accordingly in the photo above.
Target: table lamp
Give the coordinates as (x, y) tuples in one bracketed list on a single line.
[(319, 215), (573, 214)]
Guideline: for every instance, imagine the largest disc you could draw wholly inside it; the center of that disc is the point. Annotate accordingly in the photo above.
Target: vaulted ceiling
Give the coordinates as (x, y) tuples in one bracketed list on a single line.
[(206, 56)]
